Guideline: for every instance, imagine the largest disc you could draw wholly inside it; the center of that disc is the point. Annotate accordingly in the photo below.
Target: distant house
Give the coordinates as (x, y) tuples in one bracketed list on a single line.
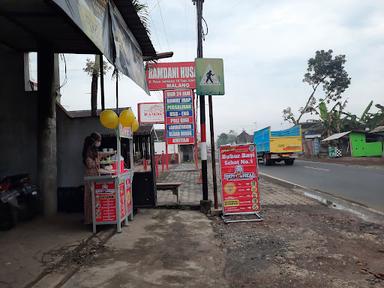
[(243, 138), (311, 127), (356, 143)]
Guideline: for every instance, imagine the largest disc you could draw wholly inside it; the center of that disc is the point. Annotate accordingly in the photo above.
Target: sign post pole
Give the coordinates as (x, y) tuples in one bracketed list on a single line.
[(165, 136), (166, 155), (205, 204), (213, 153), (195, 153)]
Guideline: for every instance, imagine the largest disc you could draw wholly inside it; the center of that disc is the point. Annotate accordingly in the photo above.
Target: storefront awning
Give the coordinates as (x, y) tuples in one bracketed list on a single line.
[(379, 129), (336, 136), (79, 26)]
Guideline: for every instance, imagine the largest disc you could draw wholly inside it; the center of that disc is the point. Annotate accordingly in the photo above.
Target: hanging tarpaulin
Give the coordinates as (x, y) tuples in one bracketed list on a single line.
[(129, 59), (103, 24)]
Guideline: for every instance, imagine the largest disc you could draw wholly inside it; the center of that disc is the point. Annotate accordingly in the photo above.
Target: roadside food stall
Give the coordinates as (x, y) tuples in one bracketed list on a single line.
[(112, 201)]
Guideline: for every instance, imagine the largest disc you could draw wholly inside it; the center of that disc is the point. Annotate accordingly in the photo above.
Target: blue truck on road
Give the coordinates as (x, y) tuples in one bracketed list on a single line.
[(277, 146)]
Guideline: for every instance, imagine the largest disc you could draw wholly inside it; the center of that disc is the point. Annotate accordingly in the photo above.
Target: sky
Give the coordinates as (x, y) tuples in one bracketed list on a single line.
[(265, 46)]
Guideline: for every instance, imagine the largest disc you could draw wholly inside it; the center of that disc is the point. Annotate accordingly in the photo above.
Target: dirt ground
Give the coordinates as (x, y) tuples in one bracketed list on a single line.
[(302, 245)]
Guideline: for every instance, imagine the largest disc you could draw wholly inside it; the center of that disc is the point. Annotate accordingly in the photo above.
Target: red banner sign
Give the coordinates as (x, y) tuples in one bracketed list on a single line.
[(239, 178), (105, 202), (177, 75), (128, 195)]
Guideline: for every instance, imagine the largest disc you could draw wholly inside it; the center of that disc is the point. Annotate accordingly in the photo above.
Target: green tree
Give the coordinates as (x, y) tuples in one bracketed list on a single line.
[(92, 68), (326, 71), (226, 138), (142, 11), (367, 119), (331, 119)]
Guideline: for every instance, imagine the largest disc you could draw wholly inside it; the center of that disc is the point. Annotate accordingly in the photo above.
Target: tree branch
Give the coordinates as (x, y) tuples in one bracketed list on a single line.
[(306, 105)]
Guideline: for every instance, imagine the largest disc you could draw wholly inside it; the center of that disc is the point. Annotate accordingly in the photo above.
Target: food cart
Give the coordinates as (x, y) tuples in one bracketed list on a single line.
[(112, 189)]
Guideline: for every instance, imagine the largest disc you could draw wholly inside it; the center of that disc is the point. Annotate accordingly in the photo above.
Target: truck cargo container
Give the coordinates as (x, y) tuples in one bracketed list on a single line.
[(277, 146)]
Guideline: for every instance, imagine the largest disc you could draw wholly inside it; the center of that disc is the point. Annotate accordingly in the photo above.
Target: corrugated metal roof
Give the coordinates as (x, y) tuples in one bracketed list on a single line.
[(83, 113), (378, 129), (312, 136), (134, 23), (26, 22), (336, 136), (144, 130)]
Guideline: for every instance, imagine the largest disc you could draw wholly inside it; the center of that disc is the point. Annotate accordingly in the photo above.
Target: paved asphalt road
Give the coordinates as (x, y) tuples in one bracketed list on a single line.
[(357, 183)]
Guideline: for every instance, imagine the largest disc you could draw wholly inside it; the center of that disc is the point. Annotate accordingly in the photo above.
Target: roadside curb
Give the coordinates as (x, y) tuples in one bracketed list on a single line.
[(282, 182), (52, 278), (332, 201)]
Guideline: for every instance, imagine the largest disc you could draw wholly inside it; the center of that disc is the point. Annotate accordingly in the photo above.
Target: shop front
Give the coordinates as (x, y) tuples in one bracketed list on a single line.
[(28, 127)]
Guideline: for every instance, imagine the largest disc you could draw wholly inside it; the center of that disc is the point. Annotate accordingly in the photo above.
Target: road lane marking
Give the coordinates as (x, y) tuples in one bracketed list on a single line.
[(316, 168)]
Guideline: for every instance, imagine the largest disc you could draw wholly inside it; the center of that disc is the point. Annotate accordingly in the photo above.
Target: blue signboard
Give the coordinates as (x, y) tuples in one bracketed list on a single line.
[(179, 117)]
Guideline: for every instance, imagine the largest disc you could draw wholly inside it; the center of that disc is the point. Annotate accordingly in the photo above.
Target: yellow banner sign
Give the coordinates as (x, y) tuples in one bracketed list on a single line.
[(286, 144)]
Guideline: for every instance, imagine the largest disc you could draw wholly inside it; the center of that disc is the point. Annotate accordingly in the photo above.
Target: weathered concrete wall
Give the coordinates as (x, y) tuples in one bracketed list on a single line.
[(18, 118), (71, 133)]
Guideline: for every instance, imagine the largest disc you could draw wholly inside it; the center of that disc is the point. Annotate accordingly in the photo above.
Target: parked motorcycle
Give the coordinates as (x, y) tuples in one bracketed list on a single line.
[(19, 200)]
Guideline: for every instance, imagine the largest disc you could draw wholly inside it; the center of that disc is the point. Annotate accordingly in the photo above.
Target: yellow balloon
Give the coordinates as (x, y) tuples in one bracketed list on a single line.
[(109, 119), (135, 125), (127, 117)]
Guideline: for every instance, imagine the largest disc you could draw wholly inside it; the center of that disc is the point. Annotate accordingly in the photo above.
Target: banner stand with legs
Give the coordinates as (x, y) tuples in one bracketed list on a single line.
[(240, 183)]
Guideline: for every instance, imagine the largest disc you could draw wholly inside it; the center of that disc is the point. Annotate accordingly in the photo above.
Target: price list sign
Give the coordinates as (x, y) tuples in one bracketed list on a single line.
[(179, 116), (105, 202), (239, 178)]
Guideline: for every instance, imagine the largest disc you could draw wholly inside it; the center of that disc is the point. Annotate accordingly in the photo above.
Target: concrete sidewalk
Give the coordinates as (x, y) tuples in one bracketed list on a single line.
[(30, 248), (160, 248)]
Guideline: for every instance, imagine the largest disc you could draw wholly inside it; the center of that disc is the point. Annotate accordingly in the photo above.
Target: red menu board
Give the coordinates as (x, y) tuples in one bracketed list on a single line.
[(239, 178), (123, 210), (105, 202), (128, 195)]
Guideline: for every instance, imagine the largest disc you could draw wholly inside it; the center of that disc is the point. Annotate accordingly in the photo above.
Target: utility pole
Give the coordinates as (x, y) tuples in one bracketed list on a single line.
[(213, 152), (205, 204)]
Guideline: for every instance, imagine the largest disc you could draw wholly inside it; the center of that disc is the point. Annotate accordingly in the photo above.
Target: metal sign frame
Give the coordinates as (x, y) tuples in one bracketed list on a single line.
[(139, 110), (209, 70), (180, 92), (170, 75), (226, 216)]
